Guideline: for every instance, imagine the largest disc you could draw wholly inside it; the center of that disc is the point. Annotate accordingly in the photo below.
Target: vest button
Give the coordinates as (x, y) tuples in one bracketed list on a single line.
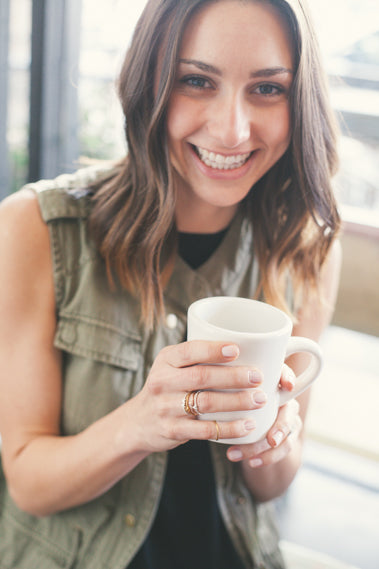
[(171, 321), (69, 334), (130, 520)]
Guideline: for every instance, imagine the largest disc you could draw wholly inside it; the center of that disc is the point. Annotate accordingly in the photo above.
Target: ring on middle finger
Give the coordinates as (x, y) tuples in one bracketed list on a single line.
[(195, 403), (190, 403), (186, 405)]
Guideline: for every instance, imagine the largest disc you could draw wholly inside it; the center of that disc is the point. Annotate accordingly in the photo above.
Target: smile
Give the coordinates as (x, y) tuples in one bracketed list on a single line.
[(220, 162)]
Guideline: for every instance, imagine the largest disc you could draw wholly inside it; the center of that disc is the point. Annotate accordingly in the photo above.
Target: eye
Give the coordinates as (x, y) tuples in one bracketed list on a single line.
[(269, 90), (196, 82)]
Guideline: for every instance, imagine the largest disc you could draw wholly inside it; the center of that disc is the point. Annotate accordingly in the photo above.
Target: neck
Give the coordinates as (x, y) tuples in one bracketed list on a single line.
[(203, 219)]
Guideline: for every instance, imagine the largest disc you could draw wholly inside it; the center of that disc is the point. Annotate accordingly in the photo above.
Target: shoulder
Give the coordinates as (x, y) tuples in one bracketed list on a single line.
[(330, 273), (24, 237), (69, 195), (316, 315), (21, 221), (64, 196), (26, 284)]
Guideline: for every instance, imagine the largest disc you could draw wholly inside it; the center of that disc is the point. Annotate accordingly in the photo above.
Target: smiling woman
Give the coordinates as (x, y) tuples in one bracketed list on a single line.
[(228, 119), (290, 163), (226, 190)]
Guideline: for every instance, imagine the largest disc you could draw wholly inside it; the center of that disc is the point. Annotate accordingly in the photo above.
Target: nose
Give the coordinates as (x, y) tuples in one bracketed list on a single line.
[(229, 121)]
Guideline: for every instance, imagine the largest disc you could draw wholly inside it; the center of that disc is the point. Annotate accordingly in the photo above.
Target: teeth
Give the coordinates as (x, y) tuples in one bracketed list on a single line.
[(220, 162)]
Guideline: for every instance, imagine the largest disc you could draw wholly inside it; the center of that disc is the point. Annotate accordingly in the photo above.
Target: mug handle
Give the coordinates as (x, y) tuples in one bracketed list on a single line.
[(304, 380)]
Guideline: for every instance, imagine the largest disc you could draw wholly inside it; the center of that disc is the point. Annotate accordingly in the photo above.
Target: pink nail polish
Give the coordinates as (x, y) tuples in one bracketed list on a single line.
[(260, 397), (254, 377), (230, 351), (250, 425), (278, 437), (235, 454), (254, 462)]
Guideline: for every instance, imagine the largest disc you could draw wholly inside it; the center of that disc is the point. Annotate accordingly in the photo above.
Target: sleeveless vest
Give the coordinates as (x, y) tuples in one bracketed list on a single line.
[(106, 359)]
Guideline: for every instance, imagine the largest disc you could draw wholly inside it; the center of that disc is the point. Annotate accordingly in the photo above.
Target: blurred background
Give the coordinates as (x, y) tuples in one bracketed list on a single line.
[(58, 64)]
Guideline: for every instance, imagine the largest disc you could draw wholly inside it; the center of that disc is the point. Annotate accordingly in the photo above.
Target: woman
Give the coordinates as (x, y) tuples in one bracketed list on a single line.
[(225, 190)]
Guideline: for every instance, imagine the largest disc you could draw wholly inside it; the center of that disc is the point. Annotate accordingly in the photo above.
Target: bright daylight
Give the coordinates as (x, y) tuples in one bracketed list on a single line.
[(189, 302)]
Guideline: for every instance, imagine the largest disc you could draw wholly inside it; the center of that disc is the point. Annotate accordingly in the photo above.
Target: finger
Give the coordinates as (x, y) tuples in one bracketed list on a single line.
[(273, 455), (198, 377), (216, 401), (244, 452), (207, 430), (265, 454), (288, 423), (287, 378), (200, 351), (287, 420)]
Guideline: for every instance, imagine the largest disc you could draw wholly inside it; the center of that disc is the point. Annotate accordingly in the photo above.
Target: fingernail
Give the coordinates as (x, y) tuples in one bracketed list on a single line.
[(235, 454), (250, 425), (254, 376), (230, 351), (290, 376), (278, 437), (254, 462), (262, 446), (259, 397)]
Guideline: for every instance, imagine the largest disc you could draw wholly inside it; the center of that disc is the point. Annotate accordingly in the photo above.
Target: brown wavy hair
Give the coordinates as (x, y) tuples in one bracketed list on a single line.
[(293, 209)]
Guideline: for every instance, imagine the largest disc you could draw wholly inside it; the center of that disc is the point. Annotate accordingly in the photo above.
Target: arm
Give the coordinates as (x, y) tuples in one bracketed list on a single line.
[(45, 471), (30, 380), (270, 466)]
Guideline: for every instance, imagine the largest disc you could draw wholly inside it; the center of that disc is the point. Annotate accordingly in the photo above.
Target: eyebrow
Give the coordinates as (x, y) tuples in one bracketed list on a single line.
[(267, 72)]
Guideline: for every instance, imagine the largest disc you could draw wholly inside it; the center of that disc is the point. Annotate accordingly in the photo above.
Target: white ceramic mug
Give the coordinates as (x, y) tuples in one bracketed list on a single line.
[(263, 335)]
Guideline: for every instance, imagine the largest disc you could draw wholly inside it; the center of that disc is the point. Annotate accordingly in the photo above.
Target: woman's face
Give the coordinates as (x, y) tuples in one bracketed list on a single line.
[(228, 116)]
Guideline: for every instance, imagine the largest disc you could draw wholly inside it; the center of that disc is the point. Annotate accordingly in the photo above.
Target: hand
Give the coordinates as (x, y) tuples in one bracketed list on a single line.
[(282, 436), (158, 412)]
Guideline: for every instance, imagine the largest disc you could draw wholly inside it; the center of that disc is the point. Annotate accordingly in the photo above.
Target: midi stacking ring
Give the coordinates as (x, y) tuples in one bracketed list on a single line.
[(217, 431), (190, 403)]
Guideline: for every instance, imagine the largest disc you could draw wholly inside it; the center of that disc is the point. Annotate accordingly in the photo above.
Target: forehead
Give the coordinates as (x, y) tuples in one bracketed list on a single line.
[(245, 29)]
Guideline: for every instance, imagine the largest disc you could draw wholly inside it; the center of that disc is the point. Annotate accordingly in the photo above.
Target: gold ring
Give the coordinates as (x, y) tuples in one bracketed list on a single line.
[(194, 406), (190, 403), (217, 431), (186, 404)]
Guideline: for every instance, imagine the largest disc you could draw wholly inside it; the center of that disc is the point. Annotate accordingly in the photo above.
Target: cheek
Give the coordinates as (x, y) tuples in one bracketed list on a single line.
[(177, 130), (183, 118), (176, 120), (280, 128)]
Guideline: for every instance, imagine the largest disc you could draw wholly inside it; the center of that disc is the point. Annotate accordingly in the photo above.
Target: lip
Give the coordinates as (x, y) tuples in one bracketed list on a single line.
[(216, 174)]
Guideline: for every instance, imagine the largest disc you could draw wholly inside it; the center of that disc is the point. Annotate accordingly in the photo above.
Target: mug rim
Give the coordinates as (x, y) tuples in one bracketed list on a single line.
[(287, 325)]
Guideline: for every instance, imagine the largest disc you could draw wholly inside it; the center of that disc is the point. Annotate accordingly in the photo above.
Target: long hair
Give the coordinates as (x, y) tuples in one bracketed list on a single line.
[(294, 213)]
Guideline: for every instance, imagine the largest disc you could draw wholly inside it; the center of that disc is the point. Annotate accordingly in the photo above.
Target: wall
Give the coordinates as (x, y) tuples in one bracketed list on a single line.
[(358, 299)]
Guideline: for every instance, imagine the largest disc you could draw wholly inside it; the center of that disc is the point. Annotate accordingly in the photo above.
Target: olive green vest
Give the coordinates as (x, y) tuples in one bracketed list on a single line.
[(107, 357)]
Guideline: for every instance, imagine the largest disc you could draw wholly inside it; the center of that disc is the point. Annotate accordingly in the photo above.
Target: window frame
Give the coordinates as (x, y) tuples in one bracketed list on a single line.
[(53, 118), (4, 51)]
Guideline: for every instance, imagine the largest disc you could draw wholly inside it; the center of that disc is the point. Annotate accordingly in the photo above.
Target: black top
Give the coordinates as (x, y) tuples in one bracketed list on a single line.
[(196, 248), (188, 530)]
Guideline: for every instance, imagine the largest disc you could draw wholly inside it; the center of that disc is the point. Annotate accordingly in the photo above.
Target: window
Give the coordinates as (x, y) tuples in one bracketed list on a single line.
[(14, 164), (349, 38), (106, 33)]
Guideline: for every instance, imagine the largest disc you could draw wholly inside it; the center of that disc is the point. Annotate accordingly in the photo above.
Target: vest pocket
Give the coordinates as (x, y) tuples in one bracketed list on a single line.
[(99, 341), (24, 547), (102, 368), (59, 541)]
